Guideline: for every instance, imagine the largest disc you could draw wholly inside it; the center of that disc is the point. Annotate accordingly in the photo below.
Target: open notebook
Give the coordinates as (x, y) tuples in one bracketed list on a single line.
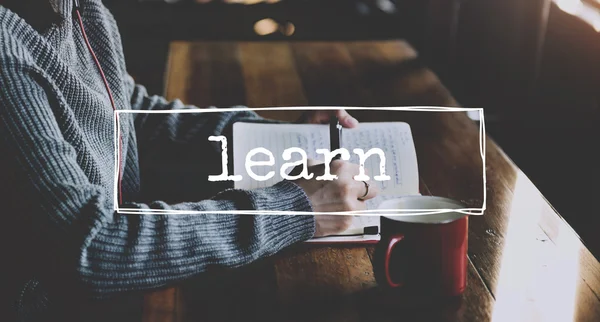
[(394, 138)]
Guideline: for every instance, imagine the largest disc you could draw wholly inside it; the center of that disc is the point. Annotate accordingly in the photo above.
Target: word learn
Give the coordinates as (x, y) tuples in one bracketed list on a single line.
[(287, 156)]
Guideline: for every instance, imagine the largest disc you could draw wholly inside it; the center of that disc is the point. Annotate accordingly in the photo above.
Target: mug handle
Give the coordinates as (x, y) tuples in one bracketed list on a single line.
[(394, 240)]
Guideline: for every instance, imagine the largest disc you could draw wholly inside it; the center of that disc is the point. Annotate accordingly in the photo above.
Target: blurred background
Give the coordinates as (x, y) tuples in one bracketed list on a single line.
[(532, 65)]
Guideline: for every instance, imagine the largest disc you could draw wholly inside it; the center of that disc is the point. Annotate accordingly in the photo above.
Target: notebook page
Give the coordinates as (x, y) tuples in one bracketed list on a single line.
[(393, 138), (275, 138), (396, 141)]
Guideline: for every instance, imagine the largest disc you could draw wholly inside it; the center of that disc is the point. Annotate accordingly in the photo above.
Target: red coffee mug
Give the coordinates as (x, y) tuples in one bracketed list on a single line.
[(425, 253)]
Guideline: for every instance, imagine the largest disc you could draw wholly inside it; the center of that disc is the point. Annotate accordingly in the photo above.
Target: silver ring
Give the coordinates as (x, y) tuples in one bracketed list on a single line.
[(366, 192)]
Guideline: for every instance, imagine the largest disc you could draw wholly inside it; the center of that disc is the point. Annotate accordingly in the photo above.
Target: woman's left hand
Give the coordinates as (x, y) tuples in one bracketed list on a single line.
[(323, 117)]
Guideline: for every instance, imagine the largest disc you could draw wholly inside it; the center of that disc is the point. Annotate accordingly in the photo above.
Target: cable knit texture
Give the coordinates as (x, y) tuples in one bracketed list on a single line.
[(57, 177)]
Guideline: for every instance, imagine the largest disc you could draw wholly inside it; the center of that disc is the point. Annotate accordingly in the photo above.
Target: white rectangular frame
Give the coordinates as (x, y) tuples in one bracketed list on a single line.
[(468, 211)]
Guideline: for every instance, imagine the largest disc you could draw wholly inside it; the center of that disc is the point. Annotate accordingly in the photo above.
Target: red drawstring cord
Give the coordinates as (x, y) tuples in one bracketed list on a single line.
[(110, 96)]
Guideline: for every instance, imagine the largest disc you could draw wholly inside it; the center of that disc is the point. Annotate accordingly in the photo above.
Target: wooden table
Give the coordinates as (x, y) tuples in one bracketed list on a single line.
[(525, 262)]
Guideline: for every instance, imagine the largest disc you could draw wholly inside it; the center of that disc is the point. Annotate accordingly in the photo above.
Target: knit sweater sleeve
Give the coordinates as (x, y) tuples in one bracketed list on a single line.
[(111, 252)]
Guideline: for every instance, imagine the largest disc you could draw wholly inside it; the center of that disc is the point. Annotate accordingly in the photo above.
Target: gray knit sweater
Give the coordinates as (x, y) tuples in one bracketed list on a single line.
[(56, 181)]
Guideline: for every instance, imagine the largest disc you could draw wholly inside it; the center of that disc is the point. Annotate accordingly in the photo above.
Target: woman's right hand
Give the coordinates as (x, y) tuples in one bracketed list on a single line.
[(341, 194)]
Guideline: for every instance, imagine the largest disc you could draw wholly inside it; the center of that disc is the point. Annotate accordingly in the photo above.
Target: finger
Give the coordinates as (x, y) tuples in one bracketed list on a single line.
[(367, 190), (357, 205), (344, 222), (344, 169), (346, 120)]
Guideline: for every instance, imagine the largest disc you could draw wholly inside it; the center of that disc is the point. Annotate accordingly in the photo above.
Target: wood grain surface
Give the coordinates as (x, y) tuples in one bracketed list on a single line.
[(525, 262)]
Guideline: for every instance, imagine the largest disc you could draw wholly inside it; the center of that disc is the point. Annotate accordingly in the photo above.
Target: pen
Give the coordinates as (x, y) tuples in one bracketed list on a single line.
[(369, 230), (335, 135)]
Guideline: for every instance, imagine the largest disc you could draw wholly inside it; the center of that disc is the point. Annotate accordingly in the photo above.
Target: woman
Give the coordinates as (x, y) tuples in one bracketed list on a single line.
[(56, 127)]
